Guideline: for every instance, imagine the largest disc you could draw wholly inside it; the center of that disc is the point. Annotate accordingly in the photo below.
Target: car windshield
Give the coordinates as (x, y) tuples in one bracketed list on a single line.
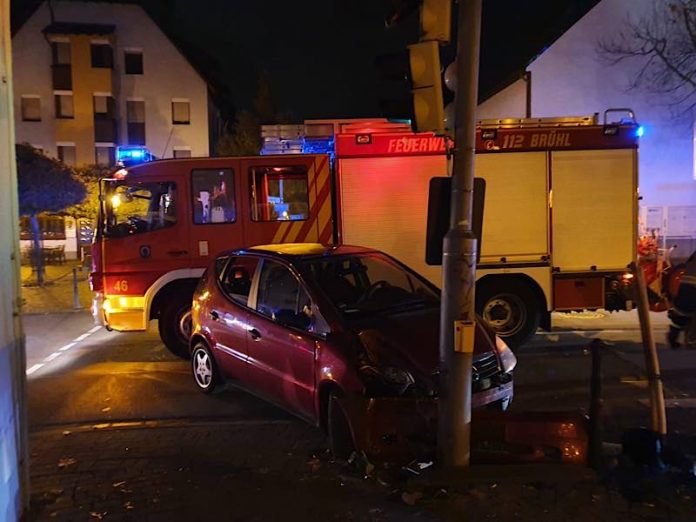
[(134, 208), (368, 283)]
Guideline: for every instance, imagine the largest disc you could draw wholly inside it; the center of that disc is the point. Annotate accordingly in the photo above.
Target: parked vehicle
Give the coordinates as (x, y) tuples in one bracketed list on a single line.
[(345, 337)]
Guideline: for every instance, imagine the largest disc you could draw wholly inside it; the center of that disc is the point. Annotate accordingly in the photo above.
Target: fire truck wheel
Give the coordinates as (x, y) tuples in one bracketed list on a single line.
[(340, 437), (175, 327), (511, 308), (205, 371)]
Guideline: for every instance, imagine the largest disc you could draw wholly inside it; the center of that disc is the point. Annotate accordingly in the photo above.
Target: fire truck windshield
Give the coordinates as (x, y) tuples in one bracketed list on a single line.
[(136, 208)]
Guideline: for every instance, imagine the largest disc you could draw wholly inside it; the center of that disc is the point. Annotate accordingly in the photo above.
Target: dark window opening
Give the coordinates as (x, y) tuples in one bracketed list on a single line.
[(102, 56), (133, 62)]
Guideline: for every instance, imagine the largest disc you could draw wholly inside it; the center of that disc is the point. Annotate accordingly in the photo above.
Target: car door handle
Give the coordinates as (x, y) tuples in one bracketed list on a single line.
[(177, 252), (215, 315), (255, 334)]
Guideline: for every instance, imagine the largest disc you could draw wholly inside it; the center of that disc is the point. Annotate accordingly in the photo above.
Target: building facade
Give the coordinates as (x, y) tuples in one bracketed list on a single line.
[(573, 77), (92, 76)]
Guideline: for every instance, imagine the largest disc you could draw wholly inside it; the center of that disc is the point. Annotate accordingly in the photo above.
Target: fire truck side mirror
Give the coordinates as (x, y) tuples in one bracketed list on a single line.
[(439, 197)]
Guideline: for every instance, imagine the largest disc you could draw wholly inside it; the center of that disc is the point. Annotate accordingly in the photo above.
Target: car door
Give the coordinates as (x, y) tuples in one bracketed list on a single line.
[(229, 315), (281, 347)]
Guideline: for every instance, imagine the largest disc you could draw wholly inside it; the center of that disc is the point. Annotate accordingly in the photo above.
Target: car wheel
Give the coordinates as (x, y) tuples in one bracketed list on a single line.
[(175, 326), (340, 438), (511, 308), (204, 369)]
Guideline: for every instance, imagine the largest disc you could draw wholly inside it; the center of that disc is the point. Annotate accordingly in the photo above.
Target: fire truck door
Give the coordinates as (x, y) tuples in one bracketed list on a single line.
[(287, 199), (217, 222)]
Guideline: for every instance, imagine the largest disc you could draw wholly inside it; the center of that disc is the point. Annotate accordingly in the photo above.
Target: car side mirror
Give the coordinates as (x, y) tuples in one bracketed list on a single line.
[(292, 319)]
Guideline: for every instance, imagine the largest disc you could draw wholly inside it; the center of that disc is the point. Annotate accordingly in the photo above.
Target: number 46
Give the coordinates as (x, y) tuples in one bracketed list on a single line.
[(121, 285)]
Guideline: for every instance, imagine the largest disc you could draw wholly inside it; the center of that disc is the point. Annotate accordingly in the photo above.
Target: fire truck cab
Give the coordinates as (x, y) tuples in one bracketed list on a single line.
[(160, 223)]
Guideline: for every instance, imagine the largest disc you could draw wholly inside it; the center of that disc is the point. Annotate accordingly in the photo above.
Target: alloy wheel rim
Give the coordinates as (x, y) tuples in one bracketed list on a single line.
[(202, 368)]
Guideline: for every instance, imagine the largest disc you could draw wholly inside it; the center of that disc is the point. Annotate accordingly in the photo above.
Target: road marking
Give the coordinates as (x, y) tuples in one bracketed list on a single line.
[(53, 356), (34, 368), (62, 349)]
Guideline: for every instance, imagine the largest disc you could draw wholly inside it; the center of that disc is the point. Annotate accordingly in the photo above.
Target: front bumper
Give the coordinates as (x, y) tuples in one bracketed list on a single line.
[(120, 313)]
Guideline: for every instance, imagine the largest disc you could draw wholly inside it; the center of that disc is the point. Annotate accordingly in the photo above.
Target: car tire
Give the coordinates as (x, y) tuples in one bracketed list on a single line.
[(204, 368), (511, 308), (175, 326), (341, 442)]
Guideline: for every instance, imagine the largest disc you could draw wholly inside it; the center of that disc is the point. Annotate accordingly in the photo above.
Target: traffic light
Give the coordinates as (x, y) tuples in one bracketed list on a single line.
[(436, 20), (412, 86)]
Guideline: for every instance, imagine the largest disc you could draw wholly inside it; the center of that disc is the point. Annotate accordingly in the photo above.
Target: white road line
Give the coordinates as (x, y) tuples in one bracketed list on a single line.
[(34, 368), (63, 349)]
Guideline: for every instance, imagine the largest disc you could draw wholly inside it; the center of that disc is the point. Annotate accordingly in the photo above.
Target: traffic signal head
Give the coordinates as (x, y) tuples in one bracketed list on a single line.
[(436, 20), (416, 70)]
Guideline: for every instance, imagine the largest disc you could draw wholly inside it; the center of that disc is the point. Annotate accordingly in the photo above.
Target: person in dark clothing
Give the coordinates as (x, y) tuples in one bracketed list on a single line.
[(683, 309)]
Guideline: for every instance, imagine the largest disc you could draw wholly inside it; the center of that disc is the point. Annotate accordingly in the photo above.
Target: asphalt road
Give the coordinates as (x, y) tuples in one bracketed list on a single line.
[(100, 377)]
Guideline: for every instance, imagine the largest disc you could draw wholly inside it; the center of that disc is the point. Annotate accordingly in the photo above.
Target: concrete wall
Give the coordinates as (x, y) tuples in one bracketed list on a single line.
[(167, 75), (13, 486)]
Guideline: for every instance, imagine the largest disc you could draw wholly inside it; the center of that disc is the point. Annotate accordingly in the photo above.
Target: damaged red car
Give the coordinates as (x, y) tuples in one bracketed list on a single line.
[(343, 336)]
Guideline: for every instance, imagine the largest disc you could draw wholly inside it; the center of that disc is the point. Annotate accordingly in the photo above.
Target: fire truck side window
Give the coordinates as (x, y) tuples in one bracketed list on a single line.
[(139, 207), (213, 196), (279, 193)]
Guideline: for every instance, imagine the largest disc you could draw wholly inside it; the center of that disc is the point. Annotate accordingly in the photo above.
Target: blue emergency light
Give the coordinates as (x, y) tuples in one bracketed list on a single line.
[(128, 156)]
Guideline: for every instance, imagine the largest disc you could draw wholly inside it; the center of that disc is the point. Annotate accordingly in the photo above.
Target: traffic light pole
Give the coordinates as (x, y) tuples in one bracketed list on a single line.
[(457, 320)]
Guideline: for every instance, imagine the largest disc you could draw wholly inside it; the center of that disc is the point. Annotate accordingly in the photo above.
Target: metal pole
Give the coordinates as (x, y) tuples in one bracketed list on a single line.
[(457, 320), (658, 416), (76, 295), (595, 445)]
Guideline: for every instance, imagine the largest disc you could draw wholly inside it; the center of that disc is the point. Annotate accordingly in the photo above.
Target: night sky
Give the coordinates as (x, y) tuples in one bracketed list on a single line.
[(319, 54)]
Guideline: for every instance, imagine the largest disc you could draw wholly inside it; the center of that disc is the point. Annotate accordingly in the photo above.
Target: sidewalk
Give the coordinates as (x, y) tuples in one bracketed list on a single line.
[(57, 293), (260, 470)]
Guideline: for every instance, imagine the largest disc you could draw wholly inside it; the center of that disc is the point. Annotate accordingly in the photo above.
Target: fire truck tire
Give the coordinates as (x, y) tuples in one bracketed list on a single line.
[(174, 332), (511, 308), (340, 437), (205, 371)]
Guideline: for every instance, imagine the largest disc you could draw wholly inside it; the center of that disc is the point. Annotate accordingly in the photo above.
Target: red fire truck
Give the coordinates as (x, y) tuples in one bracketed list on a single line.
[(559, 222)]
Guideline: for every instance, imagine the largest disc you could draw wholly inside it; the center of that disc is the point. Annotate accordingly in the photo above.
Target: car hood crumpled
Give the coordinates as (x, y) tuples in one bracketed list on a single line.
[(410, 341)]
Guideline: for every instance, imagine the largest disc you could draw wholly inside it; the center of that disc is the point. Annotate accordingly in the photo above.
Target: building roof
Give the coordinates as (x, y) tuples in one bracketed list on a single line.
[(78, 28)]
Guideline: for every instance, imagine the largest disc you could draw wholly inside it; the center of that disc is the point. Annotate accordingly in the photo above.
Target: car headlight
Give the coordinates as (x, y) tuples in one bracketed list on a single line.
[(507, 359)]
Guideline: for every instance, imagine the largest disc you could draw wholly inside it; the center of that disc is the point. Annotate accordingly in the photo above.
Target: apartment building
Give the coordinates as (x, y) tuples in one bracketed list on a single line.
[(92, 76)]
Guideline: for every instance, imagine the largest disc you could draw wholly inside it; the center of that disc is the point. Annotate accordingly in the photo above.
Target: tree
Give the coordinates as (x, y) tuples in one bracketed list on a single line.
[(663, 46), (44, 185), (89, 176), (243, 137)]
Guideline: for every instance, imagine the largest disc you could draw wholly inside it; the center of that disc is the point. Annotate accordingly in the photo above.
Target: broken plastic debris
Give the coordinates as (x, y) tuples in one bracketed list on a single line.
[(97, 515), (128, 505), (118, 484), (106, 410), (66, 461), (416, 467), (67, 432)]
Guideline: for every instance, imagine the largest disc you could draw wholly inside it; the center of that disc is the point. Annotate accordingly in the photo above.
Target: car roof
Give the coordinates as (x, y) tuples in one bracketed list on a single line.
[(303, 250)]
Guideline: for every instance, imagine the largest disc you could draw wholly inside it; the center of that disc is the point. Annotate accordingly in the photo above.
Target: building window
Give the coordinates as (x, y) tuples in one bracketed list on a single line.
[(279, 193), (31, 108), (61, 53), (64, 105), (51, 227), (105, 155), (66, 153), (133, 61), (135, 113), (182, 152), (181, 112), (102, 55), (213, 196)]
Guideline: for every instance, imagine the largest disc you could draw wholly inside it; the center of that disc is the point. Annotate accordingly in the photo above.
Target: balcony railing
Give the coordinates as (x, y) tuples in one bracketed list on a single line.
[(62, 77)]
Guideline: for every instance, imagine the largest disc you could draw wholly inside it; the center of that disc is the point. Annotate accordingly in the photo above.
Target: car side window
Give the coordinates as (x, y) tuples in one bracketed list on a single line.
[(282, 298), (236, 278)]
